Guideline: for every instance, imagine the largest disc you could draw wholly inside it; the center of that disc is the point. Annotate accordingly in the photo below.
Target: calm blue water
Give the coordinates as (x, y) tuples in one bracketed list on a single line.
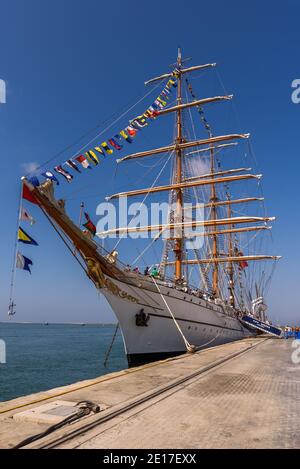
[(42, 357)]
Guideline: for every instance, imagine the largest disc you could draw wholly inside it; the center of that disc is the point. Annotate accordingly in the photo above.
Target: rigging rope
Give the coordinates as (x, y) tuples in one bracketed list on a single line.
[(13, 271), (190, 348), (116, 120), (154, 182), (68, 147), (65, 242), (149, 245), (200, 110), (111, 345), (204, 271), (75, 193)]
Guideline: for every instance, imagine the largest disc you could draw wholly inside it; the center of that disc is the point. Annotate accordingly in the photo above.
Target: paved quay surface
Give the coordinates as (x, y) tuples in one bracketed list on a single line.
[(245, 394)]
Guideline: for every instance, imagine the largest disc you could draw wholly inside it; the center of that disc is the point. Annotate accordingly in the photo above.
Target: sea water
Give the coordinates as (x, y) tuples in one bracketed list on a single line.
[(40, 357)]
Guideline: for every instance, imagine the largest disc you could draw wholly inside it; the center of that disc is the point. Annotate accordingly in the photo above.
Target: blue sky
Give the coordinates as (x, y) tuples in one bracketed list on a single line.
[(69, 65)]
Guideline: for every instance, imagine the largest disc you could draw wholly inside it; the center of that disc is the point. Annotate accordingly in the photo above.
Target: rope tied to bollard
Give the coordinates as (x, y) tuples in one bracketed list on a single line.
[(189, 347)]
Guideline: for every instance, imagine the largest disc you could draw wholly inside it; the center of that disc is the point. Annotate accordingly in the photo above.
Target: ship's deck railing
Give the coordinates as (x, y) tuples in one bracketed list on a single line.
[(188, 288), (165, 281)]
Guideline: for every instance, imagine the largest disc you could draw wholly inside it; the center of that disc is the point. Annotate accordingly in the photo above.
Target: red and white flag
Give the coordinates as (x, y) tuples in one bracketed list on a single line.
[(63, 172), (25, 215), (83, 161)]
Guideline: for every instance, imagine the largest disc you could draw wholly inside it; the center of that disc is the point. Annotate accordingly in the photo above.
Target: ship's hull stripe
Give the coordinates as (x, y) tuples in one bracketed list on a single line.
[(197, 322)]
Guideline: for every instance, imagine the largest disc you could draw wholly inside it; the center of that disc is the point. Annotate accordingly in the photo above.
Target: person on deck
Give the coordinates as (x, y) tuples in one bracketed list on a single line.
[(155, 272)]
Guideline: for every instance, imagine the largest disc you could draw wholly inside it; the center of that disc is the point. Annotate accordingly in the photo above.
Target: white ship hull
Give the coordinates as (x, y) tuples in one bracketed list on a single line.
[(203, 323)]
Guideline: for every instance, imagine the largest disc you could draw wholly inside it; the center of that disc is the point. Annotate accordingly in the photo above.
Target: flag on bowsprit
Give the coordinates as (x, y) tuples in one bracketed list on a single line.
[(23, 262), (73, 165), (139, 122), (171, 83), (23, 237), (126, 136), (50, 175), (34, 181), (158, 104), (114, 144), (27, 195), (106, 148), (164, 103), (118, 139), (92, 157), (89, 225), (83, 161), (165, 94), (130, 130), (99, 150), (59, 169), (25, 216)]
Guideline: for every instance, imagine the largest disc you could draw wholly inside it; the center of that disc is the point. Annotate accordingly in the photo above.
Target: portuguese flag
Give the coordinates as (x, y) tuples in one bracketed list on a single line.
[(27, 194), (89, 225)]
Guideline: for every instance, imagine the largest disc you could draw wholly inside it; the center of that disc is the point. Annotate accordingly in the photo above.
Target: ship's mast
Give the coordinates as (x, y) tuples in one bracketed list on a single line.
[(177, 224), (180, 183), (178, 244), (213, 199), (230, 253)]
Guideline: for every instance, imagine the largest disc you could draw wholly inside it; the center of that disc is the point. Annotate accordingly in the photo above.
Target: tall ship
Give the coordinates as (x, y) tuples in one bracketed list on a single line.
[(211, 272)]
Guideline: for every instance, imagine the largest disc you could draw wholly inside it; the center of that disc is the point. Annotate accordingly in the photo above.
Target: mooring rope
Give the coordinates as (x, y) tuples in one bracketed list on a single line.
[(111, 345), (207, 343), (190, 348)]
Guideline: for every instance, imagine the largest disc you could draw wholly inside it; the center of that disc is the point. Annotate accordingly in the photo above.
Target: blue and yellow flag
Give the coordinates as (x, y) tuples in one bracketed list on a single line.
[(23, 262), (23, 237), (106, 148), (164, 103), (92, 157), (99, 150)]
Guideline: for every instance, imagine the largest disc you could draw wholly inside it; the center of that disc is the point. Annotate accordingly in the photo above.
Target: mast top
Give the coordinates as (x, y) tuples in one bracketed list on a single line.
[(179, 70), (179, 57)]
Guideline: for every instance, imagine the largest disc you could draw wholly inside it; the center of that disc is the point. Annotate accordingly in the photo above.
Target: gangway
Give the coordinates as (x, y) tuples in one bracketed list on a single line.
[(262, 326)]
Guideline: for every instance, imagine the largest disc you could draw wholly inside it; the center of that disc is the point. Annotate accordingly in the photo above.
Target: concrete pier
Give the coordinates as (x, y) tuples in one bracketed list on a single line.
[(244, 394)]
